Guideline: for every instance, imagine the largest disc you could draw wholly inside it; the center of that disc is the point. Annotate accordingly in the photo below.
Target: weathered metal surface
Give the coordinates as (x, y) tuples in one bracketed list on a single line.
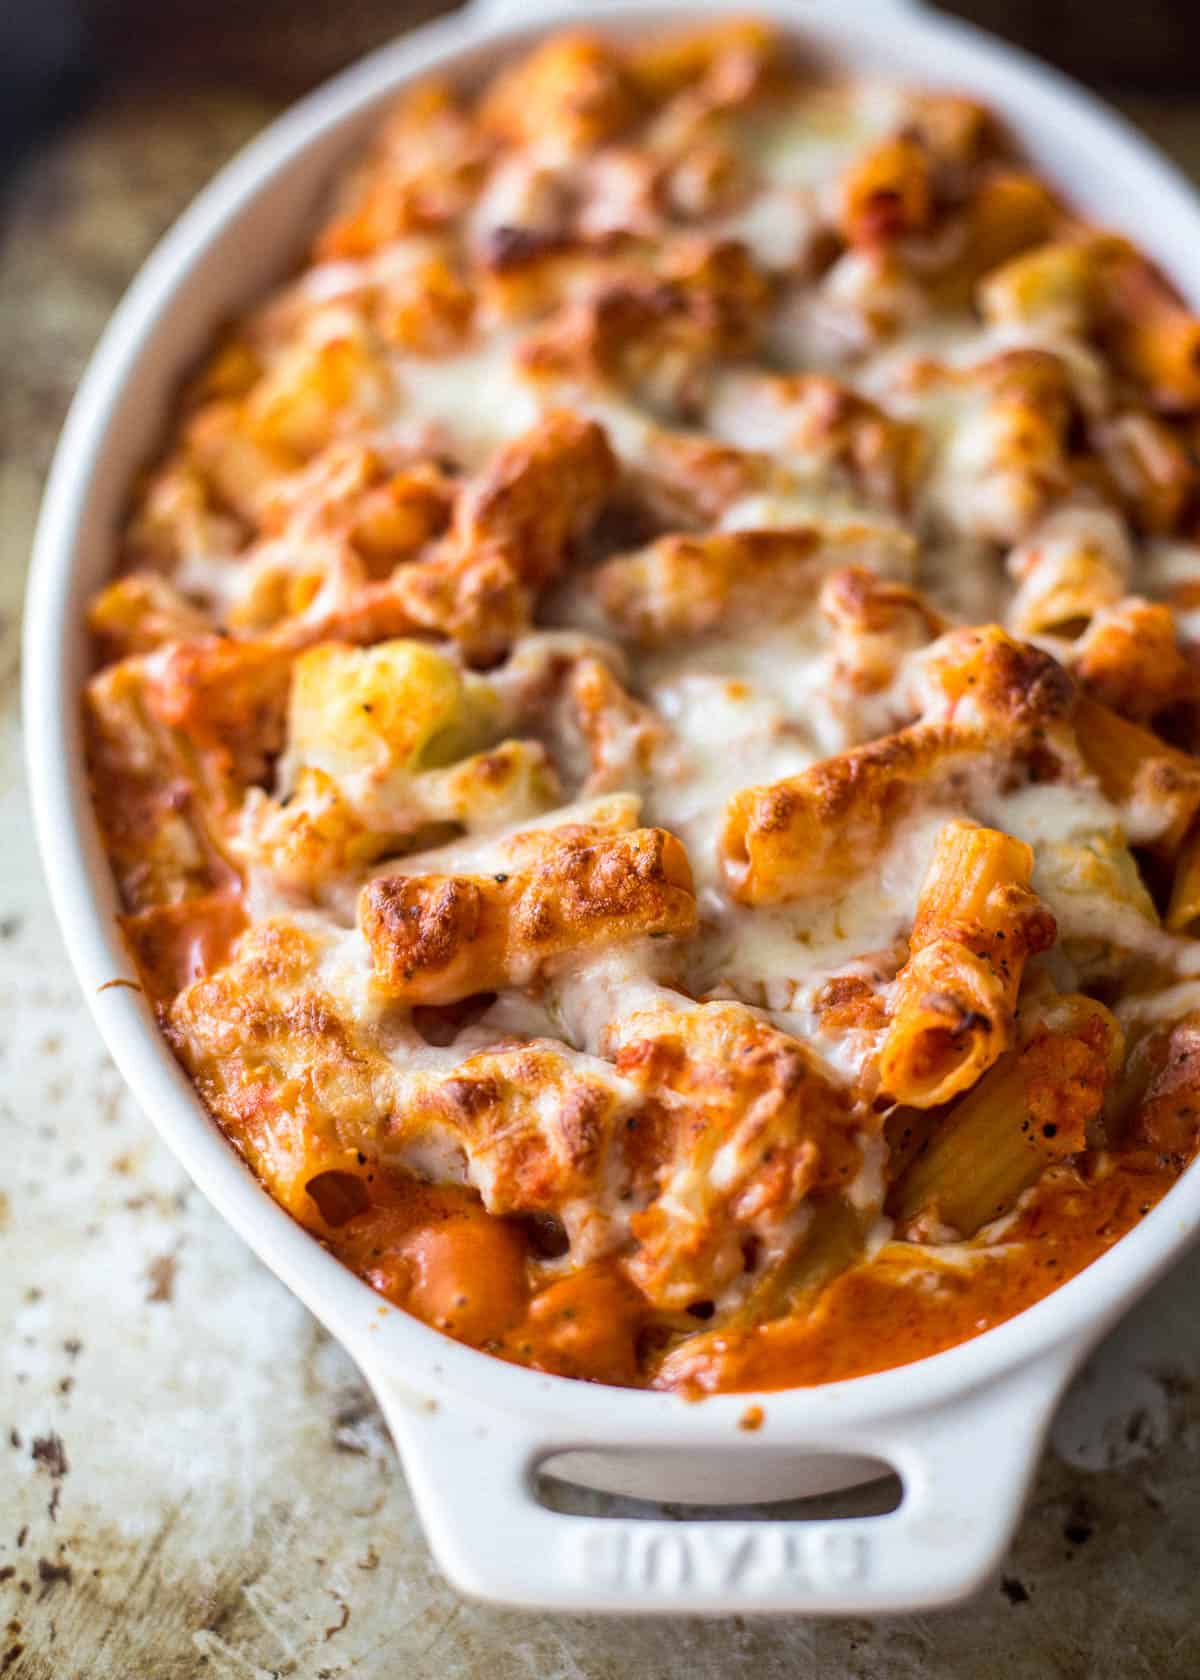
[(194, 1481)]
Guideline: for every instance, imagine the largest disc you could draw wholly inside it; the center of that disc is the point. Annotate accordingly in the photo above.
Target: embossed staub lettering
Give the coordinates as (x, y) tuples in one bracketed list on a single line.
[(752, 1558)]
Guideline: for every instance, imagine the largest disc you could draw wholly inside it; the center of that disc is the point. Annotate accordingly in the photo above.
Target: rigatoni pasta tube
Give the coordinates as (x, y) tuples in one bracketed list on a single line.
[(1149, 332), (683, 586), (1057, 282), (987, 698), (1164, 1071), (1183, 912), (1033, 1108), (977, 921), (1162, 350), (1072, 565), (1131, 660), (834, 1239), (752, 1126), (438, 938), (887, 193), (1011, 211), (806, 836), (1156, 786)]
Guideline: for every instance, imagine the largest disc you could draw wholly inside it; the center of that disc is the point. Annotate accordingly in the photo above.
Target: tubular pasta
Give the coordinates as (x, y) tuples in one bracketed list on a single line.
[(1183, 911), (689, 586), (435, 939), (1149, 332), (977, 921), (986, 696), (750, 1127), (875, 623), (1156, 787), (1130, 659), (807, 837), (1033, 1108), (1073, 565), (887, 193), (811, 420)]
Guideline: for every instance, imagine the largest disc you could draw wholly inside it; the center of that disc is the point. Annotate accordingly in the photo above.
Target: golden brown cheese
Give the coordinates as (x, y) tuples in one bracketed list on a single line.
[(440, 938)]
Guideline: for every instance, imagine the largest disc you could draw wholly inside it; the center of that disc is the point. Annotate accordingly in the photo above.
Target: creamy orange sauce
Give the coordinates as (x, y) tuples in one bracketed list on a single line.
[(190, 940), (434, 1252), (907, 1304)]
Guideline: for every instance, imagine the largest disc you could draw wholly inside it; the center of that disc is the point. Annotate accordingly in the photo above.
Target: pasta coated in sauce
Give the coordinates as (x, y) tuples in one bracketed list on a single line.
[(647, 721)]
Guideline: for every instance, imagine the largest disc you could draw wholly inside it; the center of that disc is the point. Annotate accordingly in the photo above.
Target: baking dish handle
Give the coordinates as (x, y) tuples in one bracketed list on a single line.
[(965, 1468), (523, 11)]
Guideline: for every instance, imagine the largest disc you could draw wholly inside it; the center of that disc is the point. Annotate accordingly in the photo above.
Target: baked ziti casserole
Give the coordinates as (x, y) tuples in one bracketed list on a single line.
[(646, 725)]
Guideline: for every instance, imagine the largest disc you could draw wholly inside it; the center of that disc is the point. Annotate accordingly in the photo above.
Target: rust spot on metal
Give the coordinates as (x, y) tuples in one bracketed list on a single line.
[(160, 1278), (52, 1575), (336, 1627), (49, 1452)]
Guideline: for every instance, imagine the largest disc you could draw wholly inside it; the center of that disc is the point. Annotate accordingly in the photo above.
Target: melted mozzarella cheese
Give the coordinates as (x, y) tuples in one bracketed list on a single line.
[(779, 227), (1171, 571), (472, 402), (726, 733), (811, 142)]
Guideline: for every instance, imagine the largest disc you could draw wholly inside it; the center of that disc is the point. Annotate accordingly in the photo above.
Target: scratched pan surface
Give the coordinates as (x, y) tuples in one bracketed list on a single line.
[(962, 1430)]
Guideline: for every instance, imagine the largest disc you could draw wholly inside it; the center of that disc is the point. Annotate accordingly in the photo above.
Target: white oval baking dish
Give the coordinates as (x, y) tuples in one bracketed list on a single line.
[(963, 1429)]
